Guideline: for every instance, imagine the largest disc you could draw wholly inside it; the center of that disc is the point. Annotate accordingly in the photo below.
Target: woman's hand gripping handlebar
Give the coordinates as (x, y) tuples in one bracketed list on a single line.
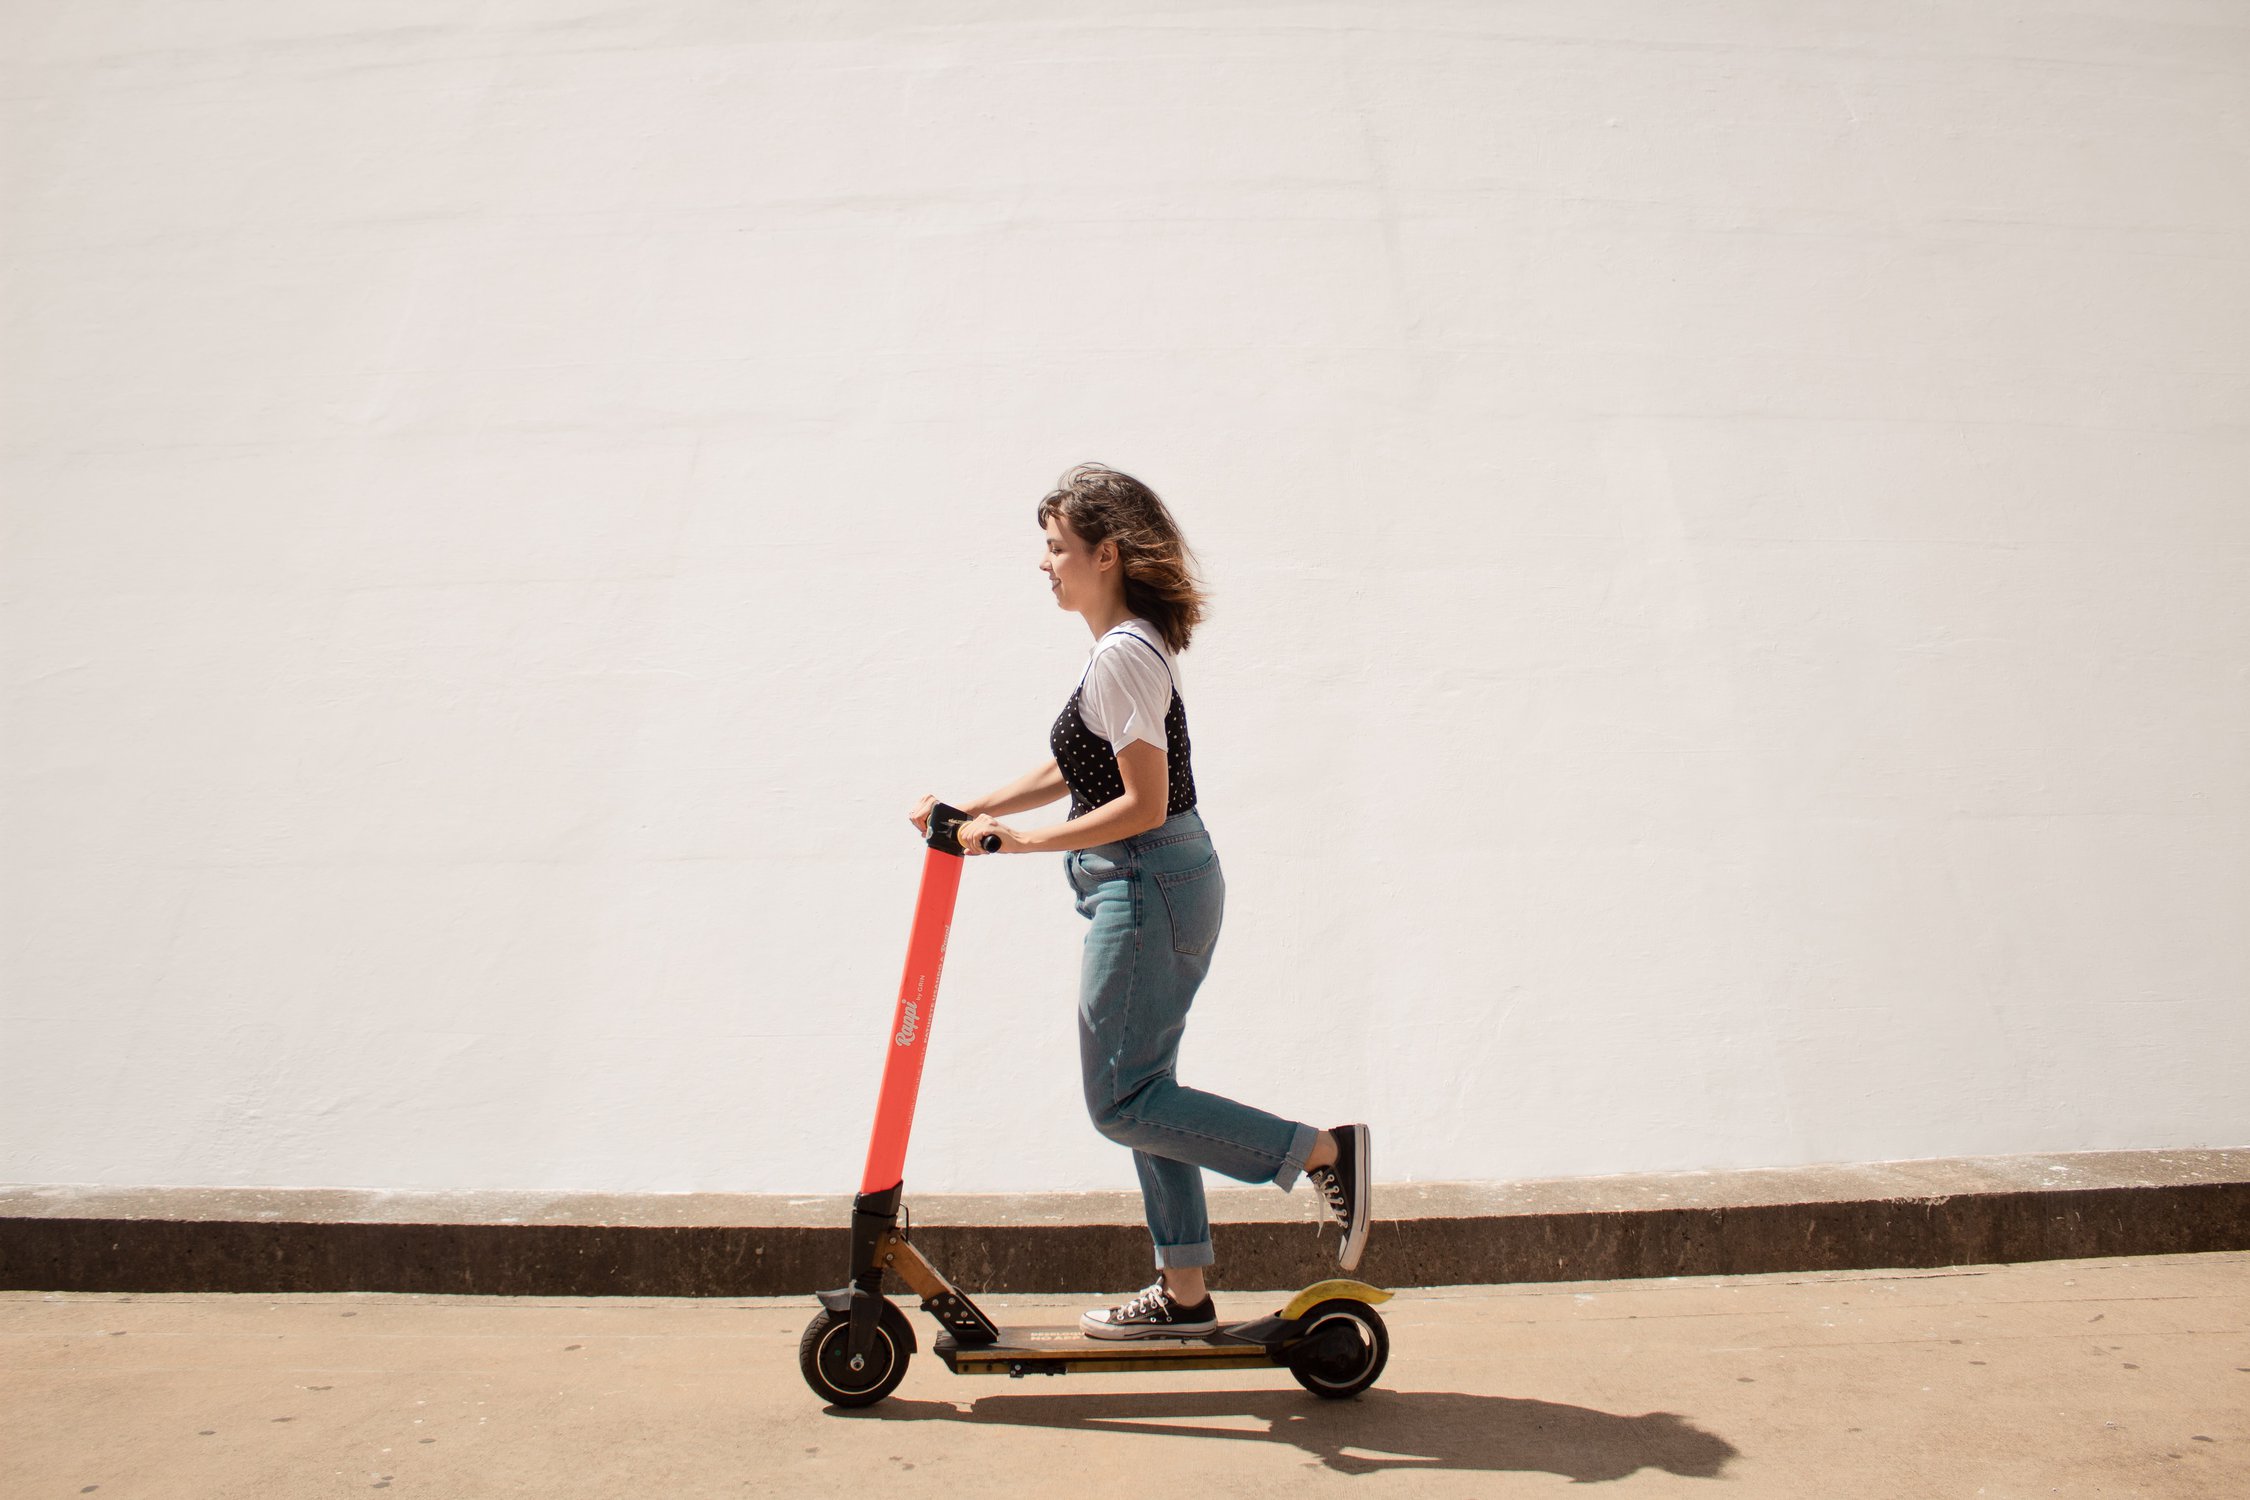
[(941, 826)]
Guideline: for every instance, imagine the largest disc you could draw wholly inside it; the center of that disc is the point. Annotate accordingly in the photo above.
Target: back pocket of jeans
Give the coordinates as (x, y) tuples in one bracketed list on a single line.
[(1195, 900)]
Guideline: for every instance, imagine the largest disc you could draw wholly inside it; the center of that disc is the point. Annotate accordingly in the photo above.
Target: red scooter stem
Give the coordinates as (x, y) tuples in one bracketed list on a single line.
[(910, 1024)]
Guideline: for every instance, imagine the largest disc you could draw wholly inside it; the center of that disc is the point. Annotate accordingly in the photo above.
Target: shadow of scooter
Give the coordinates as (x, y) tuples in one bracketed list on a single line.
[(1376, 1432)]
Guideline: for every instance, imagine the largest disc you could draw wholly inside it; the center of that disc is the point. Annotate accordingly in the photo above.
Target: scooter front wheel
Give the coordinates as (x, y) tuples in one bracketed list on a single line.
[(824, 1355), (1343, 1346)]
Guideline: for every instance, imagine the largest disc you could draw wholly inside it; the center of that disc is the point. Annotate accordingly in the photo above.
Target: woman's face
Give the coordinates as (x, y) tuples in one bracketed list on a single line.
[(1074, 570)]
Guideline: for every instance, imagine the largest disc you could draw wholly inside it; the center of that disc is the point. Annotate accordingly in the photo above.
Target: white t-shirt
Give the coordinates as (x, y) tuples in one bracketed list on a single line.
[(1127, 687)]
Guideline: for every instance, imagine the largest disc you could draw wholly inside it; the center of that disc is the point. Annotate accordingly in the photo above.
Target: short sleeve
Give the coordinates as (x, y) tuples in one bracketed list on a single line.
[(1127, 693)]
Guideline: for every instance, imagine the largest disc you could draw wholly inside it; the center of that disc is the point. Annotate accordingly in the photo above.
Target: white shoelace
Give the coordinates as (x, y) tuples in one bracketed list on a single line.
[(1331, 1185), (1150, 1300)]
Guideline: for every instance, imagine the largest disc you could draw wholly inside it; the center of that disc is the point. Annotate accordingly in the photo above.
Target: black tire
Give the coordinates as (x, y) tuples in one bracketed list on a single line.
[(824, 1355), (1344, 1349)]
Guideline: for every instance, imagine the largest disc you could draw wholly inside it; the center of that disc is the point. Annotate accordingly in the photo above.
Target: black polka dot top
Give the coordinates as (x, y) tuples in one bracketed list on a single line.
[(1089, 765)]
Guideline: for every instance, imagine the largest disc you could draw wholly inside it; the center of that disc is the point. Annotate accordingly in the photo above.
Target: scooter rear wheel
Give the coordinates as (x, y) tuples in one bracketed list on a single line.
[(824, 1355), (1343, 1348)]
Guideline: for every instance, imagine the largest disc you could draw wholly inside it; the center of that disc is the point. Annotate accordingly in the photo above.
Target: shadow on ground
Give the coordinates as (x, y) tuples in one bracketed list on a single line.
[(1377, 1432)]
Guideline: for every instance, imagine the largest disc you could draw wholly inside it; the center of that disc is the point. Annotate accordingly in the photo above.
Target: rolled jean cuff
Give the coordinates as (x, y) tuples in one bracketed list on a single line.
[(1300, 1147), (1185, 1257)]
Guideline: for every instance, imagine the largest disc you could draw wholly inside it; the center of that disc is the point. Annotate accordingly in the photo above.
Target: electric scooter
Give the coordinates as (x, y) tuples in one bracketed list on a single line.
[(855, 1350)]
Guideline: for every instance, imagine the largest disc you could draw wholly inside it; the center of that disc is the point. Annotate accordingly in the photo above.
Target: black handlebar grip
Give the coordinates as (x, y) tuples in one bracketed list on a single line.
[(945, 831)]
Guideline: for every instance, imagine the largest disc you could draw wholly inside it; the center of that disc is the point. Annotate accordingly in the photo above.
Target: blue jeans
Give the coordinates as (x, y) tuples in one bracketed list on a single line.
[(1155, 901)]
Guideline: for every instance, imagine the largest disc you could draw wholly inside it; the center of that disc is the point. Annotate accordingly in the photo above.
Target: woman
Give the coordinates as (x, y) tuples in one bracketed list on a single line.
[(1144, 872)]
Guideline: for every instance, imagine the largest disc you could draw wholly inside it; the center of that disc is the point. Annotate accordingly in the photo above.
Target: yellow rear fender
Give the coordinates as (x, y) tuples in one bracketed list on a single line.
[(1324, 1291)]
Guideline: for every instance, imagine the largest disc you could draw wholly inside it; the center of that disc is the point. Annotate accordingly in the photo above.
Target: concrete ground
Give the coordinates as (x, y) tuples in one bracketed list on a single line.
[(2073, 1378)]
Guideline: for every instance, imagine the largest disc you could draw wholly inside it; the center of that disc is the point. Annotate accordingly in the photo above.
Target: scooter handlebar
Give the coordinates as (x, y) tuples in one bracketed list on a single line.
[(945, 831)]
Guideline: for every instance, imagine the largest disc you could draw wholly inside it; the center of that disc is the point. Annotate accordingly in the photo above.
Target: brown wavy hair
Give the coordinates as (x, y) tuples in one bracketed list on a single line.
[(1161, 586)]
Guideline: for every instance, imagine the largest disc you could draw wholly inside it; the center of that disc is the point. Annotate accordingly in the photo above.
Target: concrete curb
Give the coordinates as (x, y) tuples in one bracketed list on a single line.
[(1896, 1215)]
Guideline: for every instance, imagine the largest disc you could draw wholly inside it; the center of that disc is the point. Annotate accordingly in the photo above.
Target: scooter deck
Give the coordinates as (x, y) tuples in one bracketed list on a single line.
[(1064, 1351)]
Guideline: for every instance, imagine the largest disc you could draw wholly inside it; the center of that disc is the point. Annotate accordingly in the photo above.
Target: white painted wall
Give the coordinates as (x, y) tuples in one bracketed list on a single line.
[(1729, 526)]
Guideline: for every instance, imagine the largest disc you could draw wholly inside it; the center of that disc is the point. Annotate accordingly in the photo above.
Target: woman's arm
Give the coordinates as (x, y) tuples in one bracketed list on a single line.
[(1141, 765), (1035, 788)]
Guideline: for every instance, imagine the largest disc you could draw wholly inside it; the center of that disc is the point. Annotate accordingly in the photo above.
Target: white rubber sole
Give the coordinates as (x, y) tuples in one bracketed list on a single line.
[(1148, 1330), (1362, 1191)]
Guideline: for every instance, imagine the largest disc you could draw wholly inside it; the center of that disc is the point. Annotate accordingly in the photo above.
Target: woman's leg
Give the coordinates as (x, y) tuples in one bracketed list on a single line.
[(1179, 1223), (1156, 918)]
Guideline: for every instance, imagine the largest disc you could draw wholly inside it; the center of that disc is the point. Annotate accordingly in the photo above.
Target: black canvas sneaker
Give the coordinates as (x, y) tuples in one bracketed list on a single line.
[(1152, 1314), (1345, 1187)]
